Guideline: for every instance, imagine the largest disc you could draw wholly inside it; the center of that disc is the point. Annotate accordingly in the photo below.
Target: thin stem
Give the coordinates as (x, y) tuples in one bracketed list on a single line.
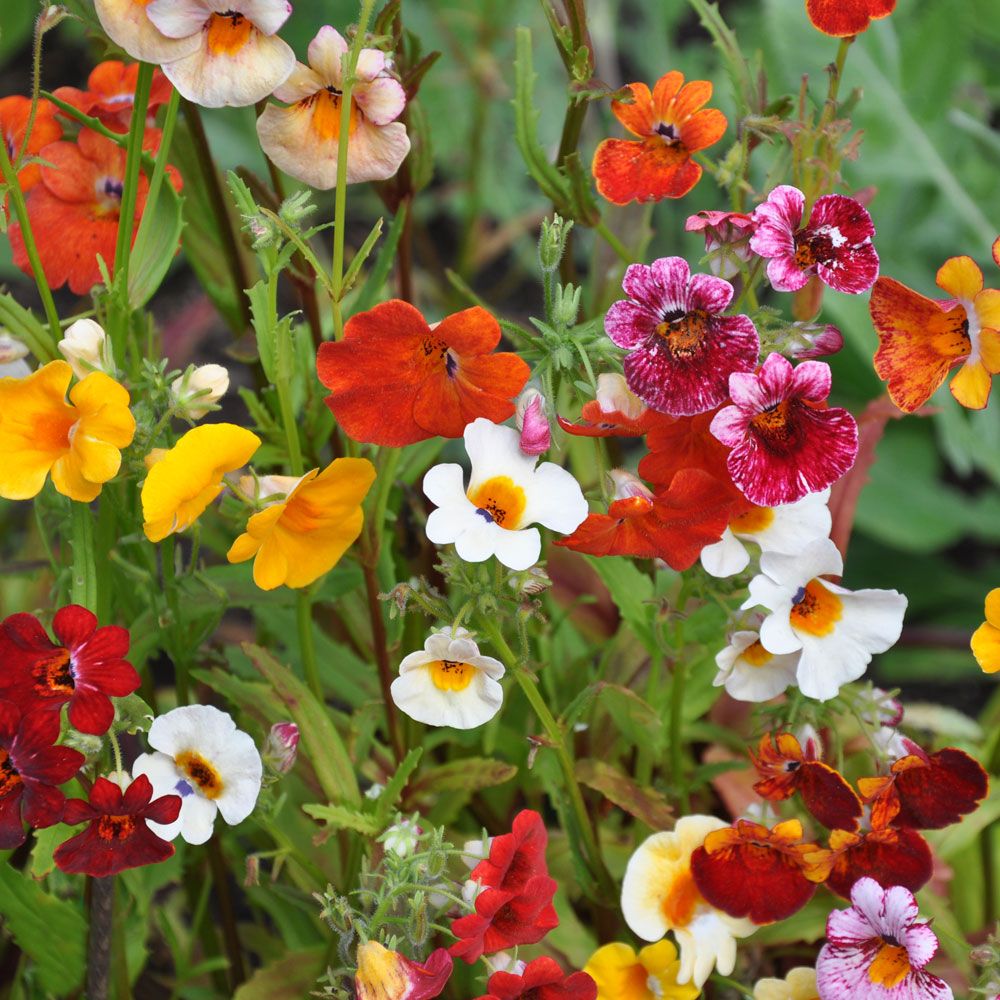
[(83, 587), (224, 898), (160, 165), (307, 642), (167, 559), (102, 906), (381, 650), (616, 244)]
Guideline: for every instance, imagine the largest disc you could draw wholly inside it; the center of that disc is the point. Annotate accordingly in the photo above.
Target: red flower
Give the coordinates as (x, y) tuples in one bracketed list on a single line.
[(31, 767), (616, 412), (515, 857), (118, 836), (746, 870), (785, 769), (541, 979), (86, 671), (14, 112), (394, 381), (841, 18), (890, 856), (670, 127), (110, 93)]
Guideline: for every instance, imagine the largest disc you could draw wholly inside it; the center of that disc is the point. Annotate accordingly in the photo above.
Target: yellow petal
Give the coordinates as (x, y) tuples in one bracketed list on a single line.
[(617, 972), (662, 963), (986, 647), (245, 547), (989, 350), (993, 607), (270, 568), (70, 482), (960, 277), (987, 305), (971, 385)]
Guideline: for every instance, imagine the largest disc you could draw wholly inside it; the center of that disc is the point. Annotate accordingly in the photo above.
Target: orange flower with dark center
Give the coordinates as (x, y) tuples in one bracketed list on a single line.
[(671, 123), (841, 18), (14, 114), (394, 380), (110, 93)]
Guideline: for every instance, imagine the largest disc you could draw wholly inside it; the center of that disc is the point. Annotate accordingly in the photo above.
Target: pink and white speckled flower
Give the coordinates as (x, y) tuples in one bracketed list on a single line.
[(784, 443), (877, 949), (682, 349), (727, 239), (835, 245)]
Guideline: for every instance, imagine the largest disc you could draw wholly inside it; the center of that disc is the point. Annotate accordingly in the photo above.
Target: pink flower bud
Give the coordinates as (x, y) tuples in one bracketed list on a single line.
[(536, 435), (282, 746)]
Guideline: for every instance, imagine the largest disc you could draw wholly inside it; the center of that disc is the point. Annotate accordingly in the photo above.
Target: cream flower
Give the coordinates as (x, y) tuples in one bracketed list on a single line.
[(128, 25), (86, 347), (750, 673), (448, 683), (799, 984), (12, 355), (506, 494), (213, 766), (659, 895), (199, 389), (836, 630), (303, 138)]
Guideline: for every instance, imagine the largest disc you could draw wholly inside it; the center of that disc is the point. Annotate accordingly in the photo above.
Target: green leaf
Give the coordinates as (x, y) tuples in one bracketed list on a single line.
[(155, 246), (22, 324), (395, 785), (645, 804), (468, 775), (631, 590), (343, 818), (292, 977), (369, 292), (636, 718)]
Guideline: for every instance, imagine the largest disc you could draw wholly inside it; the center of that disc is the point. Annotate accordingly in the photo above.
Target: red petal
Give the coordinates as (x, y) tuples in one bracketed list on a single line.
[(898, 857), (137, 796), (828, 796), (74, 625), (43, 804), (106, 796), (841, 18), (12, 832), (165, 809), (90, 711), (940, 793), (517, 856)]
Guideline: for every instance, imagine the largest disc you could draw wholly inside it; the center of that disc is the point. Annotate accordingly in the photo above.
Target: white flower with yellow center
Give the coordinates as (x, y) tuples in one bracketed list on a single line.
[(786, 529), (659, 895), (447, 683), (506, 494), (202, 757), (834, 630), (750, 673)]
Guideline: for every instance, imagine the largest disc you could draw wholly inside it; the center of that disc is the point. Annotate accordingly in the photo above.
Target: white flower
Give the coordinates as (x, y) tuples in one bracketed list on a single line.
[(614, 396), (87, 348), (659, 895), (402, 838), (750, 673), (836, 630), (506, 494), (199, 389), (213, 766), (448, 683), (374, 791), (12, 354), (786, 528)]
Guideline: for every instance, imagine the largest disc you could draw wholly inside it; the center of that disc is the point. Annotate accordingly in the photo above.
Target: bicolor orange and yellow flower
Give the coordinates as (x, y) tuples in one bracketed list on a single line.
[(986, 638), (621, 974)]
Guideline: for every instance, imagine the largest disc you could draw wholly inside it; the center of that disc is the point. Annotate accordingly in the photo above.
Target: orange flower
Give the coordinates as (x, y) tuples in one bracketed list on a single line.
[(841, 18), (110, 93), (14, 112), (671, 125), (394, 380)]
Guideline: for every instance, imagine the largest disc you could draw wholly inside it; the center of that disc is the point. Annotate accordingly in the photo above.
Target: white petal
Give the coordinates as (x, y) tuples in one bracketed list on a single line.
[(820, 558), (417, 695), (444, 484), (288, 138), (517, 550), (325, 53), (462, 649), (777, 634), (178, 18), (477, 542), (197, 818), (371, 62), (375, 152), (445, 524), (266, 15), (128, 25), (382, 100), (554, 499), (302, 82), (413, 661), (495, 450), (726, 557), (191, 727), (795, 525), (766, 593)]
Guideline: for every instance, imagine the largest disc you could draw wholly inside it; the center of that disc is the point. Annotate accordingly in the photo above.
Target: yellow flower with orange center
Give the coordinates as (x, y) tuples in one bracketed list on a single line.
[(78, 441), (986, 639), (799, 984), (621, 974)]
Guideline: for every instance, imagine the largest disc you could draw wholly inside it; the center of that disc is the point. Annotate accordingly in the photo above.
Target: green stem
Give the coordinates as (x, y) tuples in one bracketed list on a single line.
[(167, 558), (283, 379), (732, 984), (83, 588), (160, 165), (677, 725), (307, 643), (616, 244)]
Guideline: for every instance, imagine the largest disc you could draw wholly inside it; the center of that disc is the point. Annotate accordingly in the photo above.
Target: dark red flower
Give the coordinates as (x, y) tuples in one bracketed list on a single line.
[(85, 672), (890, 856), (541, 979), (117, 837), (515, 857), (31, 766)]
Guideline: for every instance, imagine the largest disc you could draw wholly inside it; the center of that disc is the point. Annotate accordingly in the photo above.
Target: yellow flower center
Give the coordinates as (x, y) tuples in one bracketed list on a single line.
[(756, 655), (325, 106), (891, 966), (816, 610), (500, 501), (451, 675), (201, 773), (684, 334), (755, 520), (228, 33)]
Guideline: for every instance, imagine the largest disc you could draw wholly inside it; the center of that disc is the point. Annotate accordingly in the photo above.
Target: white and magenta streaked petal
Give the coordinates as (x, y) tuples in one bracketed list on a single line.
[(811, 380), (672, 275), (785, 275), (861, 921), (381, 100), (853, 270), (843, 972), (921, 944), (780, 213), (630, 324), (709, 293), (641, 285), (811, 341), (325, 52), (846, 215), (730, 424)]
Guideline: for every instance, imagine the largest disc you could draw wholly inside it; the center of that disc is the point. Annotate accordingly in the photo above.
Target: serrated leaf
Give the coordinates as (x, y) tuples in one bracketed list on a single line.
[(395, 785), (635, 717), (343, 818), (469, 775), (644, 804)]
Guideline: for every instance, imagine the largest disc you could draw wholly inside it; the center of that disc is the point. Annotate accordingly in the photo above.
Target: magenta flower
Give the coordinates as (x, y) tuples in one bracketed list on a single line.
[(836, 244), (784, 442), (727, 239), (682, 349), (877, 949)]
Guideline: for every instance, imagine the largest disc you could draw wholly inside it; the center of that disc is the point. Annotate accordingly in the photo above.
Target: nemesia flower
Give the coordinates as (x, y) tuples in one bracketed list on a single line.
[(282, 747), (620, 974), (921, 340), (682, 350), (87, 348), (387, 975), (541, 979), (188, 477), (878, 707), (673, 525), (295, 540), (805, 341), (784, 528), (303, 139), (84, 672), (12, 355), (799, 984), (127, 24), (985, 640), (14, 114), (448, 683), (31, 769), (531, 421), (198, 389), (237, 60), (202, 757), (749, 672), (394, 380), (837, 630), (842, 18), (727, 239), (659, 895), (110, 93), (671, 123), (506, 493), (118, 835), (402, 838), (510, 859), (78, 442), (878, 949), (615, 412), (835, 244), (784, 443)]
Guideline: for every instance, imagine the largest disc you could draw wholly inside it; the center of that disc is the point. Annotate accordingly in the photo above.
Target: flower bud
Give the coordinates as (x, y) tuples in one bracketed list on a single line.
[(614, 396), (552, 242), (281, 747), (374, 791), (402, 838), (198, 389), (12, 353), (812, 340), (566, 306), (627, 486), (51, 16), (536, 435), (86, 347), (809, 740)]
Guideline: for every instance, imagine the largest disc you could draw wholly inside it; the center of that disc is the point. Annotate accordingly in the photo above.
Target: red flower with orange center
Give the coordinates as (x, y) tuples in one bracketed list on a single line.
[(14, 114), (841, 18), (110, 93), (394, 381), (671, 123), (542, 979)]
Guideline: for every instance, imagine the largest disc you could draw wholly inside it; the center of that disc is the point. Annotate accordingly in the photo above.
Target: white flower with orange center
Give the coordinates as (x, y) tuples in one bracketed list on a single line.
[(659, 895), (447, 683), (303, 139), (750, 673), (237, 59), (506, 494), (127, 24), (785, 528), (835, 630), (202, 757)]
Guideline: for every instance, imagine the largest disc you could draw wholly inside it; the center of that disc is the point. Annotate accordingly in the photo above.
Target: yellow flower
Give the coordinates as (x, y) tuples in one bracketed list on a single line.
[(620, 974), (189, 476), (299, 538), (79, 441), (799, 984), (986, 639)]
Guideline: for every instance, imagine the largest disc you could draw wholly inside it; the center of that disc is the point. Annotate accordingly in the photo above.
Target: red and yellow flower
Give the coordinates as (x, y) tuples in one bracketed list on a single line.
[(387, 975)]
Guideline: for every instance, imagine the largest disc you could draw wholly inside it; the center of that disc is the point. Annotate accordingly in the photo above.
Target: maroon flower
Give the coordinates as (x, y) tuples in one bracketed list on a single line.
[(31, 767), (541, 979), (117, 837), (835, 245), (682, 350), (86, 671), (784, 442)]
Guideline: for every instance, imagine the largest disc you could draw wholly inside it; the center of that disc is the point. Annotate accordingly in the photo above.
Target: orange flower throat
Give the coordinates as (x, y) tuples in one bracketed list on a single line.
[(9, 778), (816, 610), (684, 333), (227, 33), (201, 773), (500, 501)]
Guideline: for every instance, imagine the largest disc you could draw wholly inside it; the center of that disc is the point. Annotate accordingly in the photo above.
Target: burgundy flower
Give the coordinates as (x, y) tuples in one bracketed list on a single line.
[(541, 979), (836, 244), (86, 671), (682, 349), (117, 837), (784, 443), (31, 767), (729, 230)]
